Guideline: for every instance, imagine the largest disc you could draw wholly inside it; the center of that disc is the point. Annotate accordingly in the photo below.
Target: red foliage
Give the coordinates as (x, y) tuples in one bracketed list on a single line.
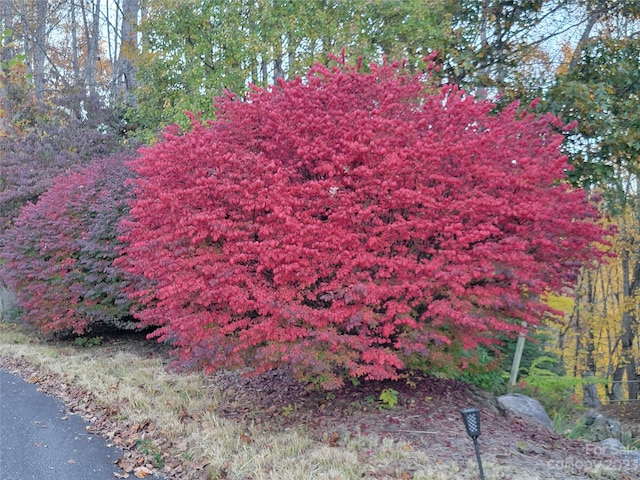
[(59, 253), (351, 223)]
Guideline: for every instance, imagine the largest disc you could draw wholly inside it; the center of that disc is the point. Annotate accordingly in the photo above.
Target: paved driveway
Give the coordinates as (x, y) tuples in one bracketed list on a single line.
[(39, 440)]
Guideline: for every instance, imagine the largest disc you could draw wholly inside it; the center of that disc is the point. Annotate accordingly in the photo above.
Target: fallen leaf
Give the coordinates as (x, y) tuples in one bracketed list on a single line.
[(184, 413), (125, 465), (142, 472), (182, 446)]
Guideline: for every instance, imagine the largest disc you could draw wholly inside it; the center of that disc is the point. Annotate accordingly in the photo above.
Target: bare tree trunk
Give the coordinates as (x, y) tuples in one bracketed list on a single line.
[(278, 72), (93, 37), (124, 81), (254, 71), (592, 20), (590, 397), (291, 54), (144, 13), (6, 19), (265, 73), (26, 41), (74, 43), (6, 54), (576, 320), (112, 32), (590, 392), (39, 52), (590, 348)]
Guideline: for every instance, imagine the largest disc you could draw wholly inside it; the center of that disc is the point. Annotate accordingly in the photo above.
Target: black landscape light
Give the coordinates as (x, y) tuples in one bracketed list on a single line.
[(471, 417)]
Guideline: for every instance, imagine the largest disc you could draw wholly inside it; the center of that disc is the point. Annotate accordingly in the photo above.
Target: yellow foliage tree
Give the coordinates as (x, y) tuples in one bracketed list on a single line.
[(598, 338)]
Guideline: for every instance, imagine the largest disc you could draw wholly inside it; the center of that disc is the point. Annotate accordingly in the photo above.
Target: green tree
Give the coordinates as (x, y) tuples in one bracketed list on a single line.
[(198, 49)]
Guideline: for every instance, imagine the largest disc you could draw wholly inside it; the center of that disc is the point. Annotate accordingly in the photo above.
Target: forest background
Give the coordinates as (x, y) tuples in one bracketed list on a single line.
[(82, 79)]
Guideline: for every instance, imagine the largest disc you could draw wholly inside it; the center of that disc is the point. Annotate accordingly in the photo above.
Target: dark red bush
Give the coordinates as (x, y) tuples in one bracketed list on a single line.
[(352, 224), (59, 253)]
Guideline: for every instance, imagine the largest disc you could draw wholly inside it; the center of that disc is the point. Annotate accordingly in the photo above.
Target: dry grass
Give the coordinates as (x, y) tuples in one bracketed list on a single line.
[(183, 408)]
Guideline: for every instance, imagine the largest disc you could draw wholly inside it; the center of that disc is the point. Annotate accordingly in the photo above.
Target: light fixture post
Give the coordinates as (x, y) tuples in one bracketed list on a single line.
[(471, 417)]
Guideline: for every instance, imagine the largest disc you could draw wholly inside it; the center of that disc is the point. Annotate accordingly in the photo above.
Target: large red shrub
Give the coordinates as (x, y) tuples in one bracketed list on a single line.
[(59, 253), (352, 223)]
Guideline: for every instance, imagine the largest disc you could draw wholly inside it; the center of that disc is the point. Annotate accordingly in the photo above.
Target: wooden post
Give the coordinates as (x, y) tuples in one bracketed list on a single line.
[(517, 357)]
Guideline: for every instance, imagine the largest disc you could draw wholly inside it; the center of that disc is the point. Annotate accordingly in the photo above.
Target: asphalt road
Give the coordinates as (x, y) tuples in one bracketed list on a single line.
[(39, 440)]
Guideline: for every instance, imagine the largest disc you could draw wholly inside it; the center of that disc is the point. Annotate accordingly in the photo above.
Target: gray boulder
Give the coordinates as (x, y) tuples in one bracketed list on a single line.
[(612, 446), (524, 406), (601, 427)]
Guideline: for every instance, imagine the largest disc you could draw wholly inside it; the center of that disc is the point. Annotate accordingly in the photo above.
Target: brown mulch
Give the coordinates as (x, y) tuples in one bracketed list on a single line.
[(426, 417)]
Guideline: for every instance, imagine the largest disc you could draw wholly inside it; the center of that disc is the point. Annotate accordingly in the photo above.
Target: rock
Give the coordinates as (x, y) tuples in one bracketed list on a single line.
[(522, 405), (611, 446), (601, 427), (631, 457)]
